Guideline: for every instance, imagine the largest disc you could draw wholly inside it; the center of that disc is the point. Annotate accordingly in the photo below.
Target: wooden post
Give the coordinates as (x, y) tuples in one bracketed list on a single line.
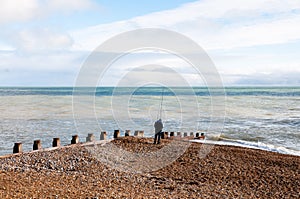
[(166, 135), (90, 138), (141, 134), (127, 132), (75, 139), (116, 133), (202, 136), (179, 134), (171, 134), (103, 135), (37, 145), (17, 147), (163, 135), (184, 134), (136, 133), (56, 142)]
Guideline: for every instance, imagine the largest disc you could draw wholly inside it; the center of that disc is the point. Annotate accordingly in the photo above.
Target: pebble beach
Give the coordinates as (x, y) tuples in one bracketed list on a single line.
[(225, 172)]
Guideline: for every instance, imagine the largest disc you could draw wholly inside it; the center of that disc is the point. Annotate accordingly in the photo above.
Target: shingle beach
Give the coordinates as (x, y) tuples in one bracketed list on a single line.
[(225, 172)]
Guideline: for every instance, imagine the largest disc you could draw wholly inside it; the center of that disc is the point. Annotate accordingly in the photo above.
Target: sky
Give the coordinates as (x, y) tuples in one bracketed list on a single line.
[(250, 42)]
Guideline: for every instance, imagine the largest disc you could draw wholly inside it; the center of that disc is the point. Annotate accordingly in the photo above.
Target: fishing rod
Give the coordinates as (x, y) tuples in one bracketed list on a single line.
[(161, 103)]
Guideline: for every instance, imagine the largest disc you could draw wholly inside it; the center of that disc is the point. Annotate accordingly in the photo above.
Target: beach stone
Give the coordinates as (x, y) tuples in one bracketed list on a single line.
[(226, 172)]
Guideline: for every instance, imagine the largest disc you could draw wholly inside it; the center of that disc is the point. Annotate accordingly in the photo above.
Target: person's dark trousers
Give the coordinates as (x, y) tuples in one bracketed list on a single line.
[(157, 137)]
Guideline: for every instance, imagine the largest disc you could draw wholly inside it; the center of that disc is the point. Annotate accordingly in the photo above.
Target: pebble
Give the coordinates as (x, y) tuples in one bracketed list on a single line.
[(227, 172)]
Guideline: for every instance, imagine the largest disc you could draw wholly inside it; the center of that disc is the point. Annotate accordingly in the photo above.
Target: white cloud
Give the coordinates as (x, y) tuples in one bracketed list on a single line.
[(222, 26), (24, 10), (39, 61), (39, 68), (154, 66), (215, 24), (264, 33), (68, 5), (274, 78), (41, 39), (40, 36), (17, 10)]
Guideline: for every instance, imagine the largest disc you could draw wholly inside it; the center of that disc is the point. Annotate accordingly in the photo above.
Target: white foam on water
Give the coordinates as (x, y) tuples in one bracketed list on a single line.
[(251, 145)]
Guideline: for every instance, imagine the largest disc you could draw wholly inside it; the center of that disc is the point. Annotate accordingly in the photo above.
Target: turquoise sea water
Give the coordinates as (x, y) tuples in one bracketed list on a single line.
[(257, 117)]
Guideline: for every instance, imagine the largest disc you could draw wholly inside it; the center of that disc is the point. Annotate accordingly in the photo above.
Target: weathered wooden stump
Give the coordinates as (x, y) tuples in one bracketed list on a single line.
[(56, 142), (103, 135), (166, 135), (75, 139), (162, 135), (127, 133), (116, 134), (90, 138), (136, 133), (37, 145), (17, 147), (139, 133)]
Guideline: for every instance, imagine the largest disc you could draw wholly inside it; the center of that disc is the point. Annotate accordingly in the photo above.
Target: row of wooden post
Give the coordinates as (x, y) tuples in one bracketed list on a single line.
[(179, 134), (37, 144)]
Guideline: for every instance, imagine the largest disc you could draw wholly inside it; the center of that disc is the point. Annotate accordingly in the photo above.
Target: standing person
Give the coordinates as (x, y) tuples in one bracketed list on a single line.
[(158, 125)]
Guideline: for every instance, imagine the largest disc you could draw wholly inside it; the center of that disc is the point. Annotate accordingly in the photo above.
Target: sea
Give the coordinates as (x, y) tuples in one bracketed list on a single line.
[(266, 118)]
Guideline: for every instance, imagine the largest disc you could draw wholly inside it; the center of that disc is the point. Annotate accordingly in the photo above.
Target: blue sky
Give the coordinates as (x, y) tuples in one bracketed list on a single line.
[(45, 43)]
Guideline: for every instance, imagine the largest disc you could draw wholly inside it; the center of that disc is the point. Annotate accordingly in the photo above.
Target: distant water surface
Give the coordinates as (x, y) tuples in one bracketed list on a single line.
[(266, 118)]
